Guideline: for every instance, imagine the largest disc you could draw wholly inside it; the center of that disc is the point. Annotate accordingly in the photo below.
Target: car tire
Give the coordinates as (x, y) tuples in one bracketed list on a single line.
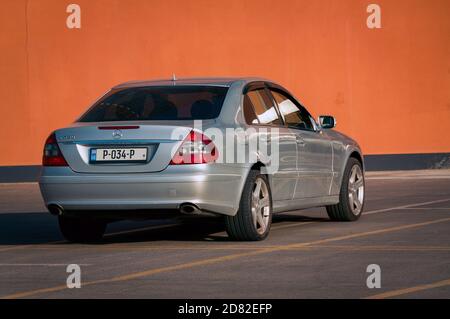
[(254, 217), (351, 197), (81, 230)]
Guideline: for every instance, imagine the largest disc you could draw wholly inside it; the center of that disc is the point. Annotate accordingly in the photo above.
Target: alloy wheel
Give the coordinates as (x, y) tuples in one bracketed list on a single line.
[(356, 190), (260, 205)]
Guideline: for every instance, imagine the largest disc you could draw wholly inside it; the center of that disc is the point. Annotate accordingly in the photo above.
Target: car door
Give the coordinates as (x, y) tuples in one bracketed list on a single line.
[(261, 113), (314, 151)]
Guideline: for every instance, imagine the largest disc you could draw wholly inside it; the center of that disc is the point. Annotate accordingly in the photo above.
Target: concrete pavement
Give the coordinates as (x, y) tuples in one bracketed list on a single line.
[(405, 230)]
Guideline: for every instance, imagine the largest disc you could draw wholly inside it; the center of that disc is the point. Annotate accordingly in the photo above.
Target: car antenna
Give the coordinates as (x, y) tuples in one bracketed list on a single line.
[(174, 78)]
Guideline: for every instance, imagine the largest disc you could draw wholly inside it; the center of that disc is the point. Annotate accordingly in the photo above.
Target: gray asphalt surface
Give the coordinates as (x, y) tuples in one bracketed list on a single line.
[(405, 230)]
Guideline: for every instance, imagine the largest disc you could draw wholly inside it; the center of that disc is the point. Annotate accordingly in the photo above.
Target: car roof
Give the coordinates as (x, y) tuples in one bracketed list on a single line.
[(213, 81)]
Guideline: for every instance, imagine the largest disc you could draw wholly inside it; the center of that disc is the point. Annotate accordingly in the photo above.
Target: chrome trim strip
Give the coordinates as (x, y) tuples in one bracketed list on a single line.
[(118, 142)]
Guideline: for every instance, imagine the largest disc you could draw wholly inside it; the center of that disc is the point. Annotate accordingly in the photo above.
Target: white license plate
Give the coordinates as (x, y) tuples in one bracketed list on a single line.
[(118, 154)]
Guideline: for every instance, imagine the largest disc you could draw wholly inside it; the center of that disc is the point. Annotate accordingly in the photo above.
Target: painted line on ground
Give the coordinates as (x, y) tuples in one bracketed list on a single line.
[(297, 224), (40, 265), (237, 247), (3, 249), (277, 226), (216, 260), (373, 178), (18, 183), (129, 231), (122, 232), (404, 291), (292, 224), (376, 211), (427, 208)]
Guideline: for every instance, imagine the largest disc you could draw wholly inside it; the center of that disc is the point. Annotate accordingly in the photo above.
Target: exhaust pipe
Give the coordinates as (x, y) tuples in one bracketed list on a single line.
[(55, 209), (189, 209)]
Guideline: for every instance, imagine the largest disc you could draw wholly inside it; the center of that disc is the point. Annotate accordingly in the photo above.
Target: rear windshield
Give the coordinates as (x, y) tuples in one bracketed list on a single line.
[(158, 103)]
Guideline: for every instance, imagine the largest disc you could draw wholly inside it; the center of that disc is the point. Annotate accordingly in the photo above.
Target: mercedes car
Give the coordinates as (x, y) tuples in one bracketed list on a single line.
[(240, 149)]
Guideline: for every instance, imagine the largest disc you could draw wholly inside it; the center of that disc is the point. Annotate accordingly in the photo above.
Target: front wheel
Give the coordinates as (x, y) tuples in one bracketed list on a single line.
[(254, 217), (81, 229), (351, 198)]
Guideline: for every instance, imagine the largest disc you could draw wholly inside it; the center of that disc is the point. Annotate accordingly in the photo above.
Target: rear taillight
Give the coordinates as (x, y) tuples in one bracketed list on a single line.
[(195, 149), (52, 153)]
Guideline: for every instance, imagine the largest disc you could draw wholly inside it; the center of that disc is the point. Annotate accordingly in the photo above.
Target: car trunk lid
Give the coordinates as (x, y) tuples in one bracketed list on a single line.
[(77, 143)]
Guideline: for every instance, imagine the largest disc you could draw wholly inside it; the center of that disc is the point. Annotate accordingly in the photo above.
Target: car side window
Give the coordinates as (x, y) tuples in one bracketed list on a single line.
[(263, 107), (249, 112), (294, 115)]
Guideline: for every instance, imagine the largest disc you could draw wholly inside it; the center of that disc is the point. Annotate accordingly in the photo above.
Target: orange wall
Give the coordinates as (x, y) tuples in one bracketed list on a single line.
[(389, 88)]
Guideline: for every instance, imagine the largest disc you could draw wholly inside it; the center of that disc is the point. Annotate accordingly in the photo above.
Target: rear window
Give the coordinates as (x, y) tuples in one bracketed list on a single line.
[(158, 103)]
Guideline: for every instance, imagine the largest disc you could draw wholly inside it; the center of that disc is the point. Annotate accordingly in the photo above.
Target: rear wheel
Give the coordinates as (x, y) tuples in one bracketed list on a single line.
[(351, 198), (81, 229), (254, 217)]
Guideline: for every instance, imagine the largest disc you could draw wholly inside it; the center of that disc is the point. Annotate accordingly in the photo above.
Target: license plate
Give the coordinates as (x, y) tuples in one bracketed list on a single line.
[(118, 155)]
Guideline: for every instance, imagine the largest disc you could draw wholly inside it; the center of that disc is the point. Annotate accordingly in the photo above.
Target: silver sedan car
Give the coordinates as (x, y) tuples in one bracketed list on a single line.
[(237, 148)]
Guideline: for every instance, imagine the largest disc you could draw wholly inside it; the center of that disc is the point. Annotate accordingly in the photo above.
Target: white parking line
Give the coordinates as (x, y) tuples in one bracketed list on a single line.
[(428, 208), (292, 224), (407, 177), (40, 265), (409, 206), (405, 206)]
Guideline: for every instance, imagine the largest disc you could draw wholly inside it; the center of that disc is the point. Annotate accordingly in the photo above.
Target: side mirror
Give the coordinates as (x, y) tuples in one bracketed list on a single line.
[(327, 121)]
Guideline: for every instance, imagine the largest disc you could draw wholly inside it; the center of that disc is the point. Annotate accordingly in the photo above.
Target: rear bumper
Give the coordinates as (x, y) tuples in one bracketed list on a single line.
[(212, 187)]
